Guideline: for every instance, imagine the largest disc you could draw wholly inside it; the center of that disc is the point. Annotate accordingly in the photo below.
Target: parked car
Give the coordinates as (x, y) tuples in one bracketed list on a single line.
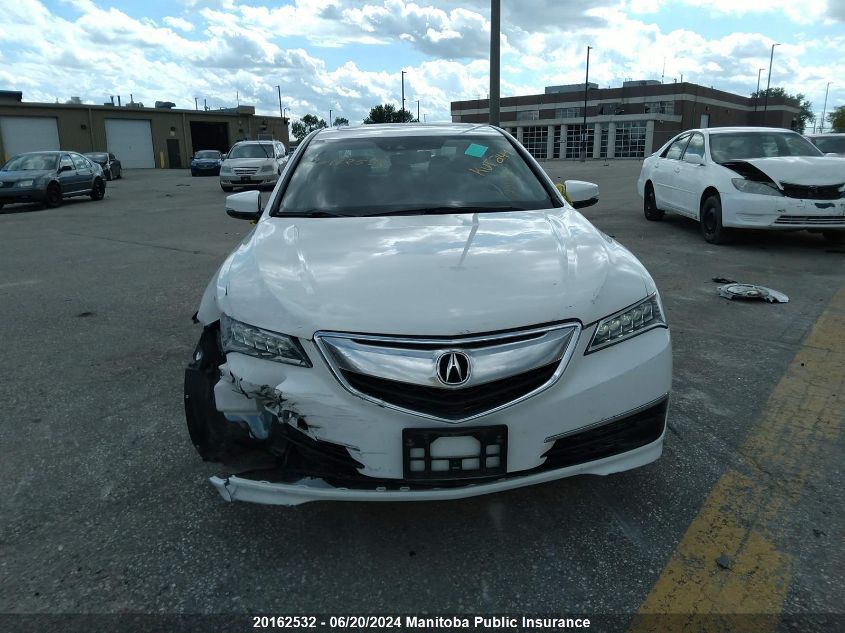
[(49, 178), (206, 162), (832, 143), (418, 314), (112, 168), (746, 177), (253, 164)]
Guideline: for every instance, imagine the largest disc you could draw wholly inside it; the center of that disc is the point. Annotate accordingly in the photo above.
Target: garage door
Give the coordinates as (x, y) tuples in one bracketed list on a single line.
[(131, 142), (28, 134)]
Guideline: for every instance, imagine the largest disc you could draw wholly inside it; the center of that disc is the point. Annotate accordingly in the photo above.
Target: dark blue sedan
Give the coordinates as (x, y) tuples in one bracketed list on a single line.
[(206, 163)]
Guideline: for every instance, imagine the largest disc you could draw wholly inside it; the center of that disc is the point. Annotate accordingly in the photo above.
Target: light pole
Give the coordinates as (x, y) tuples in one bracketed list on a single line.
[(769, 80), (281, 111), (402, 113), (418, 110), (757, 93), (330, 118), (196, 103), (495, 28), (584, 128), (824, 109)]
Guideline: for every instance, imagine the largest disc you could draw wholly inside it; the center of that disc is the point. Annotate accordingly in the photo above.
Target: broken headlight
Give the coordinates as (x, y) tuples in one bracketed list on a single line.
[(254, 341), (639, 318), (753, 186)]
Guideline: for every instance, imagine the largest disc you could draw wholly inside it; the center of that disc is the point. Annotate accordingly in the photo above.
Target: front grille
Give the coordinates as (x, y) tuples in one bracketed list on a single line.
[(812, 192), (451, 404), (246, 171), (820, 220)]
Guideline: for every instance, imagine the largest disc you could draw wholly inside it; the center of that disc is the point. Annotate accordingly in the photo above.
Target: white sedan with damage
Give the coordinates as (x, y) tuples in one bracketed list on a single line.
[(418, 314), (746, 177)]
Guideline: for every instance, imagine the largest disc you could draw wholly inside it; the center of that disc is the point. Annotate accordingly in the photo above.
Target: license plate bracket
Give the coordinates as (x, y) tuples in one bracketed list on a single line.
[(488, 456)]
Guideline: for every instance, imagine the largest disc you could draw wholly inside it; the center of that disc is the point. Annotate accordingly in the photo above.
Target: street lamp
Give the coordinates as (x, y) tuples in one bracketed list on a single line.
[(769, 80), (330, 118), (418, 110), (584, 127), (402, 113), (757, 93), (824, 109)]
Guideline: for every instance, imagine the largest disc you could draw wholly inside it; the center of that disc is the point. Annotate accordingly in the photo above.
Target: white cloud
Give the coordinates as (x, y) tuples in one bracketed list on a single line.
[(178, 23)]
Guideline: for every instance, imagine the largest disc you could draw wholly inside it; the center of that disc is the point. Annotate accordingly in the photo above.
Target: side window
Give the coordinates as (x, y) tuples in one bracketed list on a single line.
[(674, 151), (79, 162), (696, 145), (65, 162)]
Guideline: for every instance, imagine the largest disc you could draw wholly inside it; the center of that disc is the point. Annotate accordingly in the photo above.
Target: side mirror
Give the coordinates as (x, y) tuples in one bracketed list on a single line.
[(65, 168), (693, 159), (223, 157), (245, 205), (583, 194)]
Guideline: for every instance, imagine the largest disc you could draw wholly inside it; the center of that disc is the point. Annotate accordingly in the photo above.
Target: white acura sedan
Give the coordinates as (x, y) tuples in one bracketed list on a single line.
[(746, 177), (419, 315)]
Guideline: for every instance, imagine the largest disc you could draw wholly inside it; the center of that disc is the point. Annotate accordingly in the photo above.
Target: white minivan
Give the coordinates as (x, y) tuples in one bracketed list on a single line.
[(253, 164)]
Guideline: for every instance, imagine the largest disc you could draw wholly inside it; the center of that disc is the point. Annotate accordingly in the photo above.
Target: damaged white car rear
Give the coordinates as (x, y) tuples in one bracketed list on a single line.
[(419, 315)]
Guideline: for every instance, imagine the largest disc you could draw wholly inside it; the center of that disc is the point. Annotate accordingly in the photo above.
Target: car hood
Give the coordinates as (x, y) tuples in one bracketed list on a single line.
[(247, 162), (426, 275), (14, 176), (800, 170)]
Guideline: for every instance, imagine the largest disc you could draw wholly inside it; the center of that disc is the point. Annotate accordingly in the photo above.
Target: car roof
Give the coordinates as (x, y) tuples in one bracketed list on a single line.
[(745, 128), (407, 129), (825, 135)]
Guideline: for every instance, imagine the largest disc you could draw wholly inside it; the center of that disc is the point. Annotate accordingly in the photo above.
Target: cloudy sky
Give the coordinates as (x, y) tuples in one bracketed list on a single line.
[(347, 56)]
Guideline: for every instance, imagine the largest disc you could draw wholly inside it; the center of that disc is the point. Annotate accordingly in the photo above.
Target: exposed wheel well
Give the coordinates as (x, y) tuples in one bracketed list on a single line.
[(710, 191)]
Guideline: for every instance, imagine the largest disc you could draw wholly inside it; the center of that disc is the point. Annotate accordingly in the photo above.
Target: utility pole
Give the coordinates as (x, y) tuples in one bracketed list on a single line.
[(769, 80), (584, 128), (238, 98), (757, 93), (330, 118), (418, 110), (824, 109), (281, 111), (663, 74), (402, 113), (495, 29), (205, 104)]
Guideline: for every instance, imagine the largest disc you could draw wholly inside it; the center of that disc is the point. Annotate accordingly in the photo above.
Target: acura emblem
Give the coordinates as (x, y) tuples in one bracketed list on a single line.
[(453, 368)]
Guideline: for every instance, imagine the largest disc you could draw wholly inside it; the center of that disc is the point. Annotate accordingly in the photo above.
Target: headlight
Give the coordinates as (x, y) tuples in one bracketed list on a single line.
[(639, 318), (253, 341), (25, 183), (265, 169), (225, 169), (751, 186)]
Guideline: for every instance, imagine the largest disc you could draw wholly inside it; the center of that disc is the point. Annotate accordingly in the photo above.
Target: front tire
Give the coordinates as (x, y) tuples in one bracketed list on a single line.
[(650, 209), (98, 191), (833, 237), (108, 175), (53, 197), (711, 221)]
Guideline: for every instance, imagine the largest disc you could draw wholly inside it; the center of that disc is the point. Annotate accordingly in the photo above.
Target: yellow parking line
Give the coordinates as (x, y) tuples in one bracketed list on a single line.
[(744, 514)]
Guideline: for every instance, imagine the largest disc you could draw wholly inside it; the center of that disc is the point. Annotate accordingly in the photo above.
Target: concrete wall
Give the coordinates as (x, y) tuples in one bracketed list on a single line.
[(82, 127)]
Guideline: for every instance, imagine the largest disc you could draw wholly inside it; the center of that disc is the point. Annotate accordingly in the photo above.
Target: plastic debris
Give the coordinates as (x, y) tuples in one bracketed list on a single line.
[(751, 291), (723, 280), (724, 561)]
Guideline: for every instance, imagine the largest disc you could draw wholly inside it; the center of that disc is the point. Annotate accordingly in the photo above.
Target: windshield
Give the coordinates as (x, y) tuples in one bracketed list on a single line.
[(99, 157), (830, 144), (412, 175), (214, 154), (256, 150), (725, 147), (31, 162)]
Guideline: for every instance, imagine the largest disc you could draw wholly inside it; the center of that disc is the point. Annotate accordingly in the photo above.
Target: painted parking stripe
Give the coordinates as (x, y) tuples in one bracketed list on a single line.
[(744, 514)]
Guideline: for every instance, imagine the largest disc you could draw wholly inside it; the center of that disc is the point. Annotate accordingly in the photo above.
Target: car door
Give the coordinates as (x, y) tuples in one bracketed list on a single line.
[(664, 174), (115, 165), (84, 172), (67, 175), (690, 177)]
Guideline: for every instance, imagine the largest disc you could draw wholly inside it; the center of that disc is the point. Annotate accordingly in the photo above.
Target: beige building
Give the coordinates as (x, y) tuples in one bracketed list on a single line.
[(139, 137)]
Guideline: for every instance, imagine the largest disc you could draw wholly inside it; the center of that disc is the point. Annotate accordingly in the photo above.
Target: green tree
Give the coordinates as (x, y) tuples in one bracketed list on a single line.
[(341, 120), (388, 113), (836, 118), (306, 125), (805, 115)]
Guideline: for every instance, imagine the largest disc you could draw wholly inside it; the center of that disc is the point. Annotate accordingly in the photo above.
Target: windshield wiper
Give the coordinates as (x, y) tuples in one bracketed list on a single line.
[(445, 210), (312, 213)]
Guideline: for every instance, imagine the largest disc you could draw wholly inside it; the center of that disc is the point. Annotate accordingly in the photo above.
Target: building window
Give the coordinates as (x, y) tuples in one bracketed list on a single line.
[(575, 140), (660, 107), (610, 108), (556, 143), (567, 113), (527, 115), (534, 138), (456, 118), (603, 142), (630, 139)]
